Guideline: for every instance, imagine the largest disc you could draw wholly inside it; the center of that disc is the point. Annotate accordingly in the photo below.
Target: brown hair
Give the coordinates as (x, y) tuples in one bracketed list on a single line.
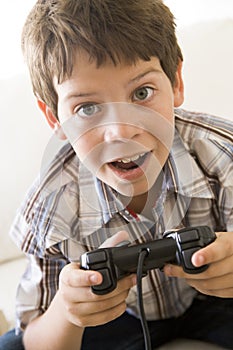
[(122, 30)]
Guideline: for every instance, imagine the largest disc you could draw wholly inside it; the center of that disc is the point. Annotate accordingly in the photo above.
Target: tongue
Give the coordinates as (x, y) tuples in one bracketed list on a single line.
[(125, 166)]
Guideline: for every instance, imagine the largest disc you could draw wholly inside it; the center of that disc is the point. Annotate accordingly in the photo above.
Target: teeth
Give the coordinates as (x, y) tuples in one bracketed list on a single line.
[(132, 159)]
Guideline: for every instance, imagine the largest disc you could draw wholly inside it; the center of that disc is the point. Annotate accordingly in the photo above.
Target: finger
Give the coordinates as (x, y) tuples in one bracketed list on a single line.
[(115, 239), (101, 317), (84, 294), (218, 269), (177, 271), (174, 271), (220, 293), (125, 284), (71, 275), (98, 306), (226, 282), (221, 248), (78, 311)]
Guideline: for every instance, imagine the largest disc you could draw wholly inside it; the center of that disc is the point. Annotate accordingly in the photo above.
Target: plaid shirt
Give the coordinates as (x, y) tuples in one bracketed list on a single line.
[(68, 211)]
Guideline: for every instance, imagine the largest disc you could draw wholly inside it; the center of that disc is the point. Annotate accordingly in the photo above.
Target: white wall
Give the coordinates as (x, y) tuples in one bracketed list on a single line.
[(188, 12), (208, 66), (13, 14)]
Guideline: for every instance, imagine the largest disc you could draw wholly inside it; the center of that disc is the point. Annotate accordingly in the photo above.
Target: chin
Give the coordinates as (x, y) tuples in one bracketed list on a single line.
[(130, 189)]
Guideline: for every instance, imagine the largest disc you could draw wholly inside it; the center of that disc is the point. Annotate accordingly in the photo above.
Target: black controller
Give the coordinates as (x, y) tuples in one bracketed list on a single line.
[(176, 247)]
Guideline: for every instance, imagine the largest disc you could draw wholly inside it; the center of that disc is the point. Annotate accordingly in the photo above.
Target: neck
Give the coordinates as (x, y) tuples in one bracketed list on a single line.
[(143, 203)]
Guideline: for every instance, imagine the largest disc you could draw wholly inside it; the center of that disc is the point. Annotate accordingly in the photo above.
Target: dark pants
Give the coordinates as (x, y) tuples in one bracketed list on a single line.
[(209, 319)]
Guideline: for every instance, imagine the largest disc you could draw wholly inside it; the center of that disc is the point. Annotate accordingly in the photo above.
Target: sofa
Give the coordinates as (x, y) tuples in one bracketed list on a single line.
[(24, 136)]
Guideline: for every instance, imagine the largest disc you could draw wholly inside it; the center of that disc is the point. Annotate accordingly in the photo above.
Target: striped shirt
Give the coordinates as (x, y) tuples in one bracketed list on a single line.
[(68, 211)]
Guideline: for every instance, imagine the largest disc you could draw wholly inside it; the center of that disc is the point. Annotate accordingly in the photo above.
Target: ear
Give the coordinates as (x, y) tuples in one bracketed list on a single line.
[(178, 88), (51, 119)]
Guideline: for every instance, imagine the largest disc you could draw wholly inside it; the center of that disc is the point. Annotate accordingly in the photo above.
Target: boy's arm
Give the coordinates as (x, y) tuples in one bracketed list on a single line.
[(75, 307), (52, 330)]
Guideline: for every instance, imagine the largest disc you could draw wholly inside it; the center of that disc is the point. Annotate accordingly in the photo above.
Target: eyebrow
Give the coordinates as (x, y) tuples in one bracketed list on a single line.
[(74, 95), (142, 75), (132, 81)]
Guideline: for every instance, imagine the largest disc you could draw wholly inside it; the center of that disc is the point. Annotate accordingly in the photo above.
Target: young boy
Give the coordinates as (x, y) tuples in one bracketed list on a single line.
[(108, 76)]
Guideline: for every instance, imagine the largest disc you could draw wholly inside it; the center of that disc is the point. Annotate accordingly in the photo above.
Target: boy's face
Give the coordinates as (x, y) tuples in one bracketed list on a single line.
[(119, 120)]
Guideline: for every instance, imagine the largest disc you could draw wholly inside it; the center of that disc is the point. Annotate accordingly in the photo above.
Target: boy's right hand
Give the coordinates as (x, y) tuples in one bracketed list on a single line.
[(82, 307)]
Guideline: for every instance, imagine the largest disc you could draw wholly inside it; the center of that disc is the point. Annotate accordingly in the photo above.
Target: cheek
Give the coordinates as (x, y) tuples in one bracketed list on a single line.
[(166, 102), (84, 145), (167, 108), (89, 149)]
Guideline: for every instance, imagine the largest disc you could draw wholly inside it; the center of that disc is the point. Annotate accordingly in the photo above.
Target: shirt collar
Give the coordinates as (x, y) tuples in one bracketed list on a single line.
[(184, 176)]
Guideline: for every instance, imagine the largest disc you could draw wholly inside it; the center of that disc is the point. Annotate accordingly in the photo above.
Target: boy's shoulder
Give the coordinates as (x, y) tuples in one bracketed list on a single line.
[(209, 140), (195, 125), (48, 212)]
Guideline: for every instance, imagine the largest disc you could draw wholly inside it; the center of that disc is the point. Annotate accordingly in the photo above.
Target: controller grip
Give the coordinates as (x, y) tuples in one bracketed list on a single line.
[(188, 241)]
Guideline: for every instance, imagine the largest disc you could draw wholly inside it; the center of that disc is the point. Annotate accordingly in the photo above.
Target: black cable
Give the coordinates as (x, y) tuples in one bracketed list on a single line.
[(146, 333)]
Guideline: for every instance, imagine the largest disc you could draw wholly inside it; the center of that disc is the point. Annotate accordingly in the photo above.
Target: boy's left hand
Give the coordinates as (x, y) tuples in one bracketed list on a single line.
[(217, 280)]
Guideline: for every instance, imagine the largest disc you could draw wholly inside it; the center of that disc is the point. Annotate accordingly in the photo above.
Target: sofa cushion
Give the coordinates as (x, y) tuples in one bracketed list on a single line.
[(10, 273), (3, 323)]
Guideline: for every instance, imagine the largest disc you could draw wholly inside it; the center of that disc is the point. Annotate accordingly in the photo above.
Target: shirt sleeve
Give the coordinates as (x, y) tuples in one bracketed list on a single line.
[(216, 158), (42, 226), (37, 288)]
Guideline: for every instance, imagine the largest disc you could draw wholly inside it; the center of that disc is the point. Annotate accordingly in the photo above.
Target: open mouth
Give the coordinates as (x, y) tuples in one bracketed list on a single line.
[(134, 162)]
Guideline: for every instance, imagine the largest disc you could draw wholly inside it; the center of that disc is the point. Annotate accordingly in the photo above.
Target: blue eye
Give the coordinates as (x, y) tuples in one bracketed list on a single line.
[(143, 93), (88, 110)]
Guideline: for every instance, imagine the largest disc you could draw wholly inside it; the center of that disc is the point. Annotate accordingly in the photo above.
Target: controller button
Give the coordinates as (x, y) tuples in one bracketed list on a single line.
[(187, 255), (107, 281), (97, 257), (185, 237)]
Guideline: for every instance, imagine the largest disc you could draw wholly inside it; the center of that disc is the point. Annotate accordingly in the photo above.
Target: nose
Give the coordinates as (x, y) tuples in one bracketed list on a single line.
[(120, 131), (119, 123)]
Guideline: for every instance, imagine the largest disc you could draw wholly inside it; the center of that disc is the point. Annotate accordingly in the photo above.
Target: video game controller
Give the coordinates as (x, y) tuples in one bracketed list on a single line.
[(177, 247)]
